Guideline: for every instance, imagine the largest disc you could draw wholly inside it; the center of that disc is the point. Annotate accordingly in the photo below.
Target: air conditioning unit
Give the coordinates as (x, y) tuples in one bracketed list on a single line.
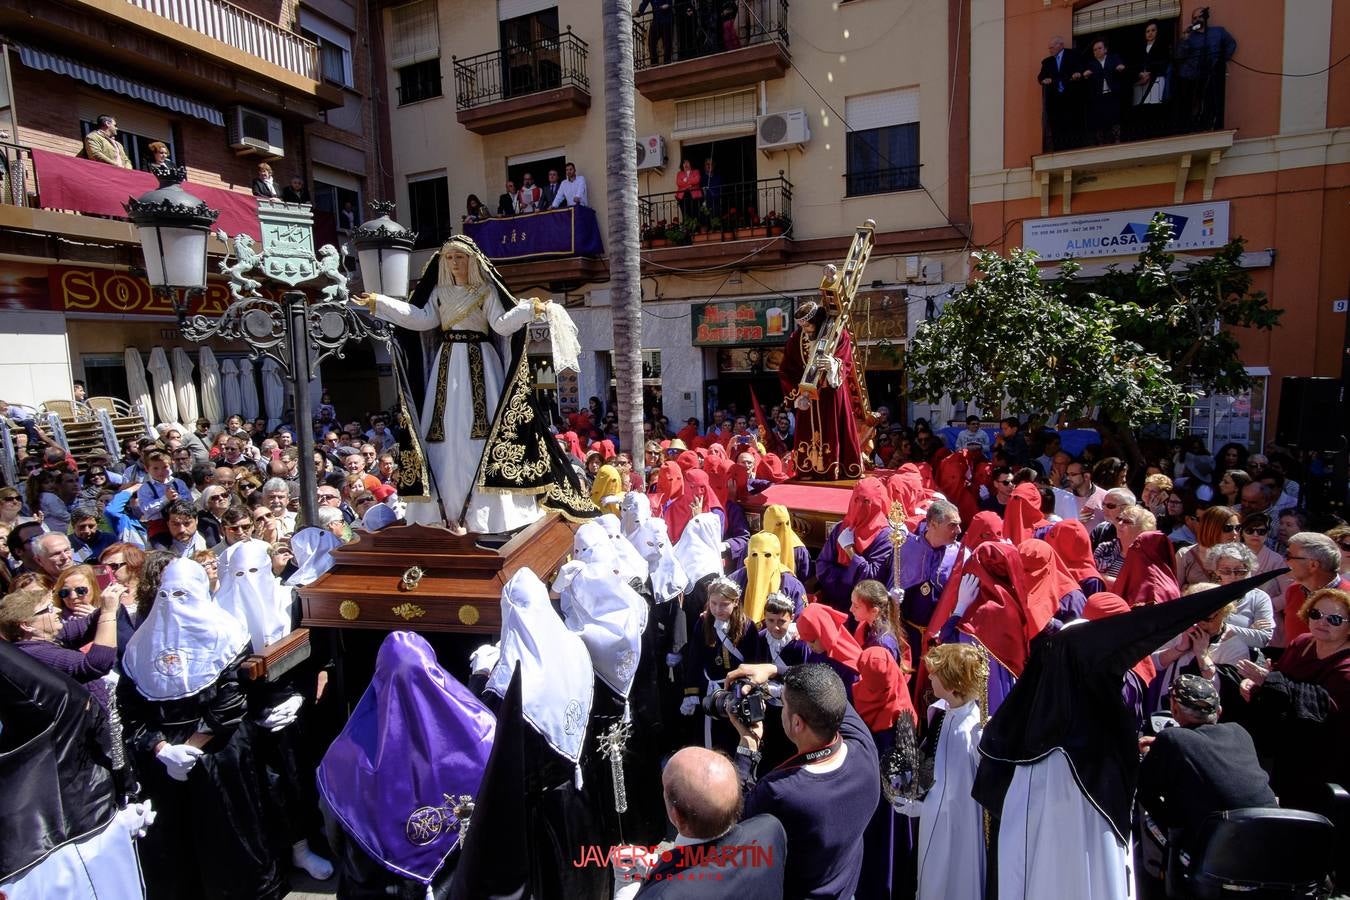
[(782, 130), (252, 132), (651, 152)]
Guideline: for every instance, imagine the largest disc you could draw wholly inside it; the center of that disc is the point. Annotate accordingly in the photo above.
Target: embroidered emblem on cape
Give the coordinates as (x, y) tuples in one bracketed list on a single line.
[(169, 663), (572, 718), (425, 825), (626, 664)]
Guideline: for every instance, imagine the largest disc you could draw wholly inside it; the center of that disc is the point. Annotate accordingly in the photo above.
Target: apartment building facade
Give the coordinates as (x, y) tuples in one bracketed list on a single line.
[(225, 86), (1260, 151), (815, 117)]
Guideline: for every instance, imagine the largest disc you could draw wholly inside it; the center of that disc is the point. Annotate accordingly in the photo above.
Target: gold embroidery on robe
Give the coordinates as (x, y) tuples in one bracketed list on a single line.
[(436, 428)]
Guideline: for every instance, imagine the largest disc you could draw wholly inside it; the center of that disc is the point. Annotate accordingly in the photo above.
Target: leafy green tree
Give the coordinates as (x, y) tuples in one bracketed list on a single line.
[(1135, 346)]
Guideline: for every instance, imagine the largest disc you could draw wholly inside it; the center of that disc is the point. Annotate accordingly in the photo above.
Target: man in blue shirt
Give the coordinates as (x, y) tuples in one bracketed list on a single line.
[(825, 795)]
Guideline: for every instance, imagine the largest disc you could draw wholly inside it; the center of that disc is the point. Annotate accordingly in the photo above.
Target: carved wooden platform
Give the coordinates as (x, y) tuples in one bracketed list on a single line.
[(459, 589)]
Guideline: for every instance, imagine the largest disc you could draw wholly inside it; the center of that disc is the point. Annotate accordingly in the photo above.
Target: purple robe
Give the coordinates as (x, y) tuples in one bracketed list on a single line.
[(416, 740), (837, 580), (924, 570), (736, 533)]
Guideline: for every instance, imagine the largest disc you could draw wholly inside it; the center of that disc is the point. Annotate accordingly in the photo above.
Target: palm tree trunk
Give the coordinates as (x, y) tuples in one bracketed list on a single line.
[(625, 277)]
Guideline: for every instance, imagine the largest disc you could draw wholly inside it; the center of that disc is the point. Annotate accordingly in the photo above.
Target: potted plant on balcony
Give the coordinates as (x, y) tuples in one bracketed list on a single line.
[(777, 224), (712, 233), (654, 235), (679, 234), (754, 226)]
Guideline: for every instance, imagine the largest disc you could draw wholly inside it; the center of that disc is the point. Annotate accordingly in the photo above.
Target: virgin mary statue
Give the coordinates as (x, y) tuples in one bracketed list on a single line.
[(480, 446)]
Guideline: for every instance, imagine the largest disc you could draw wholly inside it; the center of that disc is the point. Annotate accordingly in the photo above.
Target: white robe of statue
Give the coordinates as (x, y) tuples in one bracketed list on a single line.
[(454, 461), (1053, 842), (951, 825)]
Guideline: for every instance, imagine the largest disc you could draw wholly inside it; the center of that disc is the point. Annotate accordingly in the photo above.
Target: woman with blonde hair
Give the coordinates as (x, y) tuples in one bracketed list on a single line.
[(1217, 525)]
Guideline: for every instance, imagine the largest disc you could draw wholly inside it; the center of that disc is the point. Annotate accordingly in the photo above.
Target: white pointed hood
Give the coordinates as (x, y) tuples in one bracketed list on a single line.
[(186, 640)]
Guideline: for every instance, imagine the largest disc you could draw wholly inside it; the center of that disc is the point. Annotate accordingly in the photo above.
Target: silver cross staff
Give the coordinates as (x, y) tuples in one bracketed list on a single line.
[(612, 745)]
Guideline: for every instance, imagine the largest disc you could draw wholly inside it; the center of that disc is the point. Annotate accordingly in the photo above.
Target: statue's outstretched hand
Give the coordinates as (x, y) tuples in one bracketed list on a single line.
[(366, 300)]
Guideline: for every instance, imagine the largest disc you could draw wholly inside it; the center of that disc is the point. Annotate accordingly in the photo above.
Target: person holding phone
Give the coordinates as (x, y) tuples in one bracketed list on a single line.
[(31, 620)]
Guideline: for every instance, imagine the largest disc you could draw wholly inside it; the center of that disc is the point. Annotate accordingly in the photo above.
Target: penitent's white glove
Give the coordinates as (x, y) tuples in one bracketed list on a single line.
[(137, 818), (907, 807), (688, 705), (966, 593), (178, 760), (483, 660), (283, 714), (673, 659)]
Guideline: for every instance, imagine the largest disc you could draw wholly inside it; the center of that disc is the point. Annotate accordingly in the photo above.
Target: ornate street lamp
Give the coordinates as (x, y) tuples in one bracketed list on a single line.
[(299, 334), (382, 248), (172, 226)]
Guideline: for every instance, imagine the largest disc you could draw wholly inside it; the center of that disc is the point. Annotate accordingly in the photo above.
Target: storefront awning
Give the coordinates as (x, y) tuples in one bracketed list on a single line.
[(51, 62)]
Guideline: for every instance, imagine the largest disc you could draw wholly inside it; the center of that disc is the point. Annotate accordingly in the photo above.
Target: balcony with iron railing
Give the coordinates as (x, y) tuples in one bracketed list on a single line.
[(719, 222), (241, 29), (523, 84), (210, 50), (58, 206), (678, 52), (1163, 114)]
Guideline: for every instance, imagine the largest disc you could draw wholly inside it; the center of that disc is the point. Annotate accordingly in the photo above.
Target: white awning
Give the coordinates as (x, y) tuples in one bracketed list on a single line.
[(51, 62)]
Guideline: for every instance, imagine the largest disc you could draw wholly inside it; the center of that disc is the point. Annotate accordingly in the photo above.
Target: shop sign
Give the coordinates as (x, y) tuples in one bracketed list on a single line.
[(1195, 226), (740, 323), (105, 291)]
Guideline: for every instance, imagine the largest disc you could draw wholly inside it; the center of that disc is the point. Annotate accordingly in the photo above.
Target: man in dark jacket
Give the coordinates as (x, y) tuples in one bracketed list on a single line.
[(714, 856), (1202, 767), (1060, 76)]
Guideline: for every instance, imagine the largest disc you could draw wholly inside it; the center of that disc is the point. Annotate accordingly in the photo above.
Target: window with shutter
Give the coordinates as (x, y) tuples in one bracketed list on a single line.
[(415, 34), (882, 145)]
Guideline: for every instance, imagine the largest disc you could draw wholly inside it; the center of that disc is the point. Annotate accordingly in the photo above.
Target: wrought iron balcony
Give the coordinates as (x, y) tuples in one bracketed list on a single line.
[(744, 210), (678, 51), (521, 69)]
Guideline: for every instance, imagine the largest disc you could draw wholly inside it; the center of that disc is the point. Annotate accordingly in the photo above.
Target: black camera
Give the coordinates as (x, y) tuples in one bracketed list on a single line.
[(748, 706)]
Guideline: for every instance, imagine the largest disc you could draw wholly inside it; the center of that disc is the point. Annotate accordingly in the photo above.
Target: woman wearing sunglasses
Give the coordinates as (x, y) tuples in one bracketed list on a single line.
[(76, 591), (1256, 527), (31, 619), (1300, 709)]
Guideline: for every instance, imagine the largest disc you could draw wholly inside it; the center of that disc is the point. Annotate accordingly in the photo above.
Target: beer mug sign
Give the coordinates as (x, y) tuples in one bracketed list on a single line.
[(775, 321)]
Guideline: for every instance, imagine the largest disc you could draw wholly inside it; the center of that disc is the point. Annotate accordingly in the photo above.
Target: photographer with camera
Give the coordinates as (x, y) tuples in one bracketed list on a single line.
[(818, 793)]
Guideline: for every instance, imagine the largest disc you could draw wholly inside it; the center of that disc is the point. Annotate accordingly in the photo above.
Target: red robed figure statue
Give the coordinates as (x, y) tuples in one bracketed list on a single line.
[(825, 441), (835, 422)]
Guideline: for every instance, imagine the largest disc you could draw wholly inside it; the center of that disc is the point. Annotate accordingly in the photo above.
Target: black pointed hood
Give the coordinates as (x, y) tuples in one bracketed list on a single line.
[(491, 860), (55, 778), (1069, 699)]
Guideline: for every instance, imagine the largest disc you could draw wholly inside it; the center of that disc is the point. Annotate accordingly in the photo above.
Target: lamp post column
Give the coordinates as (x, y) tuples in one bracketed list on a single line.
[(298, 333)]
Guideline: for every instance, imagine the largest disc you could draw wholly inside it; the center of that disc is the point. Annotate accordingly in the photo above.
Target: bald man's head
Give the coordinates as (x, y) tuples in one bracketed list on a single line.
[(703, 794)]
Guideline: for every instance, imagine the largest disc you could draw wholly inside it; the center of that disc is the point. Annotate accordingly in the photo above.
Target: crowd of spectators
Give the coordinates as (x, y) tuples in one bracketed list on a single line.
[(529, 197), (1000, 530), (1158, 83)]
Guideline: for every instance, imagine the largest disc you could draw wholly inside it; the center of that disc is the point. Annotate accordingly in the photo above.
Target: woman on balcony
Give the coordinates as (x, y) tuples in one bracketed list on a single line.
[(688, 192)]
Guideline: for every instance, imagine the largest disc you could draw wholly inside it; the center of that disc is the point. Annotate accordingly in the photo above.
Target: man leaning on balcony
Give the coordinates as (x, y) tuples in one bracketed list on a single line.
[(572, 191), (102, 145)]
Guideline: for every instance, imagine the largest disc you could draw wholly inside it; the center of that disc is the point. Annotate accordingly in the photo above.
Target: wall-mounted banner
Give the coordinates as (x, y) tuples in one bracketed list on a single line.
[(1195, 226)]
